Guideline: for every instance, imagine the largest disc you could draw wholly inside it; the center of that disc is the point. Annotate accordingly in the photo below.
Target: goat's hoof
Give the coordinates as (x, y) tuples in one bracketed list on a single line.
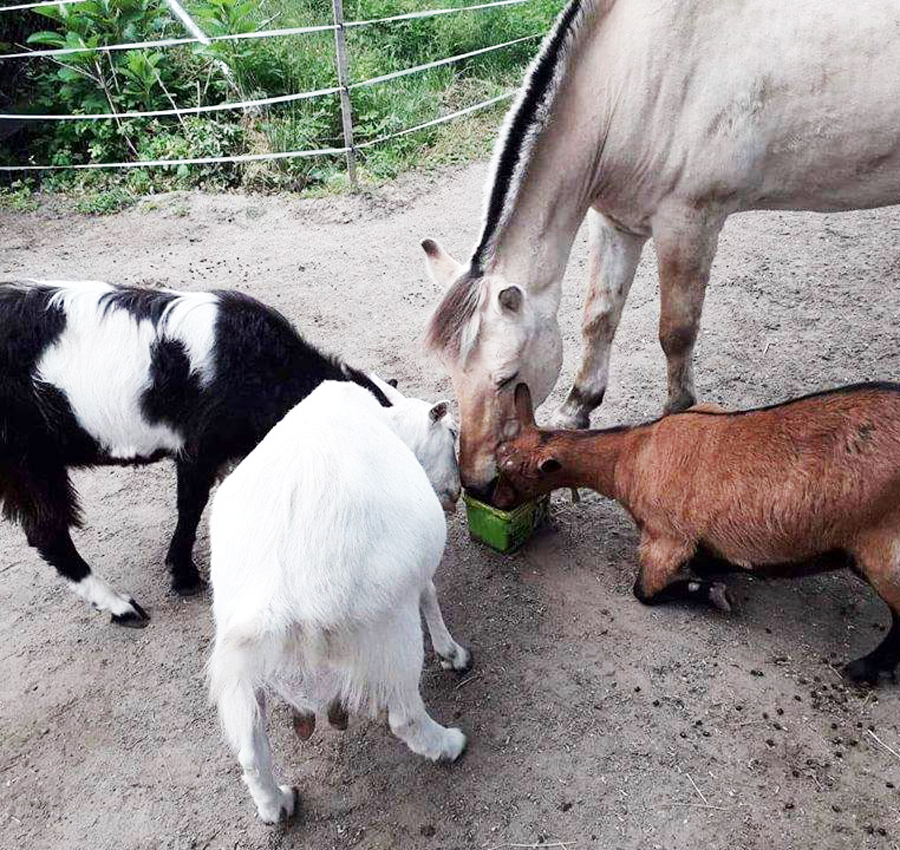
[(304, 725), (862, 672), (283, 808), (137, 618), (720, 596), (462, 660), (454, 746), (337, 715), (189, 586), (679, 404)]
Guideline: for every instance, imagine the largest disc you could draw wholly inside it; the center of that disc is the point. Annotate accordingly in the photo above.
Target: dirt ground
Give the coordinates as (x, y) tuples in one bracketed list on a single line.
[(593, 721)]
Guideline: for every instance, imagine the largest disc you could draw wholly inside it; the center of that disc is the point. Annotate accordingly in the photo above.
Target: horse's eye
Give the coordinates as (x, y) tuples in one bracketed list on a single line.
[(507, 381)]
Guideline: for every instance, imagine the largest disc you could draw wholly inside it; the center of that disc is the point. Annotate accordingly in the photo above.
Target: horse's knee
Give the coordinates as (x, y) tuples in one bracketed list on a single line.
[(678, 339)]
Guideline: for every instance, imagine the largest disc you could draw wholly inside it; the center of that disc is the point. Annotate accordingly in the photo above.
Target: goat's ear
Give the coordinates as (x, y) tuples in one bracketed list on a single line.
[(392, 382), (524, 408), (549, 464), (442, 268), (511, 298), (439, 411)]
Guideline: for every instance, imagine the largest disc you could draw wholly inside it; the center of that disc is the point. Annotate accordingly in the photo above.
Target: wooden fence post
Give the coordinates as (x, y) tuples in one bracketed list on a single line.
[(340, 50)]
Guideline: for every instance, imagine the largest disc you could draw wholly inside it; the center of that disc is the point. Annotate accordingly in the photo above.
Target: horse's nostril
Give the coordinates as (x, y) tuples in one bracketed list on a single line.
[(483, 494)]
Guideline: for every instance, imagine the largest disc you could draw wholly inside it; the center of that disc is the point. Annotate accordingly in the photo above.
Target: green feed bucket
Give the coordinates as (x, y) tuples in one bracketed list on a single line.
[(504, 531)]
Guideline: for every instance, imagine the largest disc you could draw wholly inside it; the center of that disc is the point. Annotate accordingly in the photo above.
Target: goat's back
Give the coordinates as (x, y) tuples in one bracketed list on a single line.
[(329, 521), (776, 483)]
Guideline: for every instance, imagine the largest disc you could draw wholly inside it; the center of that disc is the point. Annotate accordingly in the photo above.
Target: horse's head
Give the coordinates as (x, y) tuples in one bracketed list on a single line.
[(490, 335)]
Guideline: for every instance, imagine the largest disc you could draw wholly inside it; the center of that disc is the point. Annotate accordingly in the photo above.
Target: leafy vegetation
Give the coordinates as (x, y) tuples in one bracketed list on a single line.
[(187, 76)]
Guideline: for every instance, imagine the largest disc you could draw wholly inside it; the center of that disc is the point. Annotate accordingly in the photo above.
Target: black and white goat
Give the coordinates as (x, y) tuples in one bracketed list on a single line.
[(94, 374)]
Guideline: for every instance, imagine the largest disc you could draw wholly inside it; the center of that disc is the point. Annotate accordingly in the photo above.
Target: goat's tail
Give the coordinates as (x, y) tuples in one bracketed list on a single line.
[(232, 688), (35, 489)]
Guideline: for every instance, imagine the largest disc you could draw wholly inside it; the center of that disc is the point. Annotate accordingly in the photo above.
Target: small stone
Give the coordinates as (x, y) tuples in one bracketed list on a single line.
[(427, 830), (564, 807)]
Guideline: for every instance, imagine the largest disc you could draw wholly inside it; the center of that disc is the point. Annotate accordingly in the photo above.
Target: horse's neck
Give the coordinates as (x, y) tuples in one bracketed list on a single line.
[(532, 246)]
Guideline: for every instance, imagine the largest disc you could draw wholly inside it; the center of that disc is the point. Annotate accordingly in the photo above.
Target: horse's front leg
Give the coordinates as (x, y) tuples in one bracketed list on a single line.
[(685, 254), (614, 256)]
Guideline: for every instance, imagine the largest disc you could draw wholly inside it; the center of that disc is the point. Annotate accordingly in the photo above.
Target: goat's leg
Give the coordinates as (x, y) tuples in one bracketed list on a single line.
[(452, 655), (877, 561), (44, 501), (685, 251), (242, 712), (195, 479), (412, 724), (662, 577), (614, 257), (389, 659)]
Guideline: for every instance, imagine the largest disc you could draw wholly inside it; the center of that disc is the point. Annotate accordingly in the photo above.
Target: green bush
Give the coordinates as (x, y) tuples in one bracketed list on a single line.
[(194, 75)]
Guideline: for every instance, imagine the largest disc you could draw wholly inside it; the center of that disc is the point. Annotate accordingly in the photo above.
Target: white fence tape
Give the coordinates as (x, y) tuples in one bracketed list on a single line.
[(22, 6), (272, 33), (430, 13), (265, 101), (165, 42), (258, 157), (438, 62), (159, 113)]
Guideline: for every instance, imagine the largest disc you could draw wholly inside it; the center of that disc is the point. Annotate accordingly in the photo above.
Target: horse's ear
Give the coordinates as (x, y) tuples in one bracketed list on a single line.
[(524, 408), (442, 268)]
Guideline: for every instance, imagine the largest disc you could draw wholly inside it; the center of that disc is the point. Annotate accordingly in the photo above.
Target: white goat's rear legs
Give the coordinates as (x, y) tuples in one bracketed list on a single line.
[(452, 655), (685, 250), (242, 711), (394, 656), (411, 723), (614, 257)]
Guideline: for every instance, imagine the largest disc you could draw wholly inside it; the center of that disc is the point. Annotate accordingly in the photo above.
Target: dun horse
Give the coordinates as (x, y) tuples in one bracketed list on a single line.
[(656, 119)]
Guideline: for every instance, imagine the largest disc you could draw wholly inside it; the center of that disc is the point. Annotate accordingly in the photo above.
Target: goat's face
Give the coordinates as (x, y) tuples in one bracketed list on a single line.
[(527, 464), (430, 432), (437, 454), (508, 335)]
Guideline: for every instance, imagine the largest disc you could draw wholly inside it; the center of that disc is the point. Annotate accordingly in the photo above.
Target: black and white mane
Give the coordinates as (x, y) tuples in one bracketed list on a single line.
[(513, 153)]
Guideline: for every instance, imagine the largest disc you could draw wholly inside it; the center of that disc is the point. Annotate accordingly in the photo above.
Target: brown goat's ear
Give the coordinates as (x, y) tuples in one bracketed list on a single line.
[(439, 411), (549, 464), (524, 408)]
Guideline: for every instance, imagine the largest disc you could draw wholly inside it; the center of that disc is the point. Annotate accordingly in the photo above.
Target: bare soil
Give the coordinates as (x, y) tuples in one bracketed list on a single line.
[(593, 721)]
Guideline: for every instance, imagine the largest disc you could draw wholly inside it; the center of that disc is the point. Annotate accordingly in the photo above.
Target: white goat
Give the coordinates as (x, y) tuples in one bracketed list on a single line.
[(324, 543)]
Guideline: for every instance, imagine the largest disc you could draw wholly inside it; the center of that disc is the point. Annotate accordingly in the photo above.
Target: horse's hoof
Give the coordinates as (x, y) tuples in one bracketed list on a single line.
[(337, 715), (137, 618), (304, 725)]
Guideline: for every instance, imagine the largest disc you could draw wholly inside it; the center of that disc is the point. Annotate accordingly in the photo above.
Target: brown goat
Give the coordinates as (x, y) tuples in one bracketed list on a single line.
[(804, 486)]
